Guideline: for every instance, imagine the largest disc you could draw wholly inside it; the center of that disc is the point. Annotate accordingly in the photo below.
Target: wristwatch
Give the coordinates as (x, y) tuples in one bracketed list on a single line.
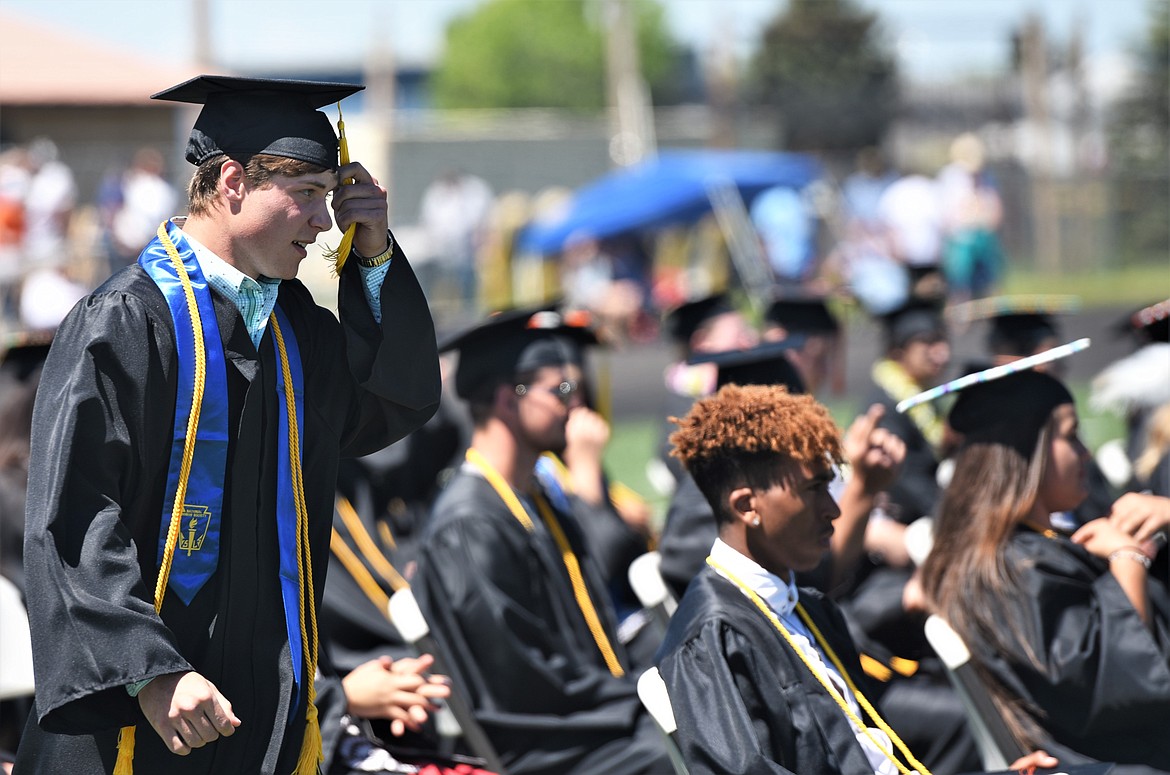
[(381, 258)]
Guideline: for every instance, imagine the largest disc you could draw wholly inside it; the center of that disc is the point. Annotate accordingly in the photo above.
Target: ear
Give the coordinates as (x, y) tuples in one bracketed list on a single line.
[(505, 400), (232, 181), (741, 503)]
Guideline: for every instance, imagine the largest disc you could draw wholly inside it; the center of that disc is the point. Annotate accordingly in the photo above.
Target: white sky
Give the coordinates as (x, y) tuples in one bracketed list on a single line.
[(935, 38)]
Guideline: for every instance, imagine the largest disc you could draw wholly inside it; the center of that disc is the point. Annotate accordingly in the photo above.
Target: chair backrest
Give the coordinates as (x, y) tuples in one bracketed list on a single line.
[(646, 580), (997, 747), (16, 660), (652, 693), (460, 721)]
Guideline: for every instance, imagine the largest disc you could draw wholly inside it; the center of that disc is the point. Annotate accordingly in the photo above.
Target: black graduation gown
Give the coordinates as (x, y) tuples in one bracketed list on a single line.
[(355, 628), (1104, 684), (101, 443), (743, 700), (499, 601)]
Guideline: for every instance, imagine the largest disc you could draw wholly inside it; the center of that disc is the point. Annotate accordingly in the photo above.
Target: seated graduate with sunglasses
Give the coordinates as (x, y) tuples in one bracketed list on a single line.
[(764, 677), (507, 580)]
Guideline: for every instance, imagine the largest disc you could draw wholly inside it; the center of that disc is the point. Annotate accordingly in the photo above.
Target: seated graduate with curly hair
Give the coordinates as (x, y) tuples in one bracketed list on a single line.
[(764, 677)]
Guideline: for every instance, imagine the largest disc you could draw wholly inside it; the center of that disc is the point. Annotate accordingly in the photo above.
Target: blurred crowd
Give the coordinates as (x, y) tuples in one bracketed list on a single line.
[(916, 250)]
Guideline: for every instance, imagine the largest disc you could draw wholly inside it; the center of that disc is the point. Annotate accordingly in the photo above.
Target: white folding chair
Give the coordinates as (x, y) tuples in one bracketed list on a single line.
[(997, 747), (460, 720), (646, 580), (16, 659), (652, 693)]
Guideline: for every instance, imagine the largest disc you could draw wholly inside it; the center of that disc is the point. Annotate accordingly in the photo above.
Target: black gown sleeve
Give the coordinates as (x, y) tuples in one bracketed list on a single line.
[(94, 626), (1102, 668), (395, 363), (527, 674)]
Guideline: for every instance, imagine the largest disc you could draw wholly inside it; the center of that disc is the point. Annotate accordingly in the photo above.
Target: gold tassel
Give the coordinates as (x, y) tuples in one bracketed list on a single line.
[(311, 750), (339, 255), (125, 762)]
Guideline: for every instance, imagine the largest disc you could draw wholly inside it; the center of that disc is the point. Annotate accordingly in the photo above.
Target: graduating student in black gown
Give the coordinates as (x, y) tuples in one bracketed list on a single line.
[(507, 581), (209, 683), (763, 677), (1069, 632)]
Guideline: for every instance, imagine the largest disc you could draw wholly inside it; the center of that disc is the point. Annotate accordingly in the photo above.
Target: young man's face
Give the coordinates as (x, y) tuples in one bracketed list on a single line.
[(278, 220), (925, 360), (544, 408), (796, 519)]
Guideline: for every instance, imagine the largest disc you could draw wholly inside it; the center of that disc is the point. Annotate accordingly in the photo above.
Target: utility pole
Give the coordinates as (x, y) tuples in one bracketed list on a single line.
[(631, 114), (1034, 77), (381, 90), (201, 30)]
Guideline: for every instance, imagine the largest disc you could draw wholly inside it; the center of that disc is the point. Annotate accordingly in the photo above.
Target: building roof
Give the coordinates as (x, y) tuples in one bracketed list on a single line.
[(43, 65)]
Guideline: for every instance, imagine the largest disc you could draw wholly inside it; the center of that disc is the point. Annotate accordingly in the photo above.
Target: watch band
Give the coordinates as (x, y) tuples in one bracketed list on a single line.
[(381, 258)]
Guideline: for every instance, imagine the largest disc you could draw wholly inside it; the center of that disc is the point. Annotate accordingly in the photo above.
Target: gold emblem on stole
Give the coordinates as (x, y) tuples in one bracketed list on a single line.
[(196, 520)]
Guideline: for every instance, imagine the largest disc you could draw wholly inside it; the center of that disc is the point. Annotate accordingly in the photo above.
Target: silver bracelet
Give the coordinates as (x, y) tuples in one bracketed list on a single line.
[(1131, 554)]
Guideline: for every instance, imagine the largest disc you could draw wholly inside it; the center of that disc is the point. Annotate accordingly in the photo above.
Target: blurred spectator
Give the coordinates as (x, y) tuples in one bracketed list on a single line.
[(14, 182), (910, 212), (972, 212), (787, 229), (48, 293), (144, 200), (48, 203), (863, 188), (454, 214), (590, 281)]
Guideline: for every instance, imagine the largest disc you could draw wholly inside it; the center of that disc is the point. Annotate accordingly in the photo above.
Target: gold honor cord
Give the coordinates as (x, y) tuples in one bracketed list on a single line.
[(124, 764), (823, 679), (580, 591), (311, 750), (364, 579), (339, 255), (369, 549)]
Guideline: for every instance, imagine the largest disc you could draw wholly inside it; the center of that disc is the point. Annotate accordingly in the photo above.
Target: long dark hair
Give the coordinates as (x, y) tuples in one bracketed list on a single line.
[(966, 578)]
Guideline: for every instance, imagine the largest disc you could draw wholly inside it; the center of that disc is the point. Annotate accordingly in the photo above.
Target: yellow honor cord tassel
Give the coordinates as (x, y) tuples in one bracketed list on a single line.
[(312, 753), (339, 255), (124, 765)]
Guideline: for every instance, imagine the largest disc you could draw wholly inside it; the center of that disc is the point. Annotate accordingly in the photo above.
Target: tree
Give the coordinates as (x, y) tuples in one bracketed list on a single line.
[(537, 53), (824, 65), (1140, 129), (1139, 138)]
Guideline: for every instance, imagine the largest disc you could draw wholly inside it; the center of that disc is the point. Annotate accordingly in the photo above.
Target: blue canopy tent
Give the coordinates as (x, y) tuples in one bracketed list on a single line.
[(673, 187)]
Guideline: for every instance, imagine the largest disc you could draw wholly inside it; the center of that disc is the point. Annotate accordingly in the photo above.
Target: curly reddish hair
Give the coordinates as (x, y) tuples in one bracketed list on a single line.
[(743, 435)]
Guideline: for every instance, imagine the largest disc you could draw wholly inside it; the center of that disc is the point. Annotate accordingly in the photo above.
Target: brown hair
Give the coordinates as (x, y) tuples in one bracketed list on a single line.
[(740, 434), (966, 577), (259, 169)]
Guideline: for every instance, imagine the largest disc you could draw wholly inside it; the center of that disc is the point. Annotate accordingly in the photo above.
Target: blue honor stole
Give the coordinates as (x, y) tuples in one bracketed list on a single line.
[(289, 489), (197, 551)]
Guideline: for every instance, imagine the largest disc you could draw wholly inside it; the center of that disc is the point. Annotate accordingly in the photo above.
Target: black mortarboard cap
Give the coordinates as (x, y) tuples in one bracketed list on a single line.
[(1017, 325), (514, 342), (1148, 324), (802, 315), (1020, 333), (764, 364), (1011, 410), (917, 319), (684, 320), (245, 116)]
